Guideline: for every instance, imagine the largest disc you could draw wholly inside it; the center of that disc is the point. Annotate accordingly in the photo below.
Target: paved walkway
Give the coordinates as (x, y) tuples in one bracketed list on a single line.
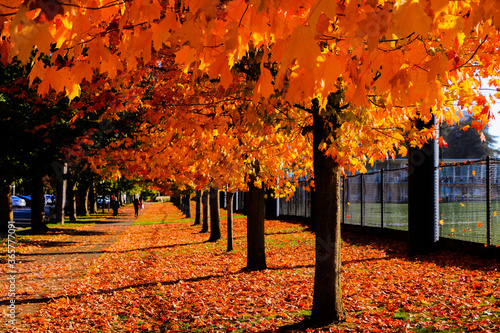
[(50, 272)]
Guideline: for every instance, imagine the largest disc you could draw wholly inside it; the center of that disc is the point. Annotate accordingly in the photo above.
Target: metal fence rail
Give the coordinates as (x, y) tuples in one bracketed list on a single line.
[(469, 201)]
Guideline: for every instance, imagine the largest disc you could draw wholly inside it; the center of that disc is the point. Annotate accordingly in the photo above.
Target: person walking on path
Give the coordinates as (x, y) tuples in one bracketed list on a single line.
[(136, 207), (114, 205)]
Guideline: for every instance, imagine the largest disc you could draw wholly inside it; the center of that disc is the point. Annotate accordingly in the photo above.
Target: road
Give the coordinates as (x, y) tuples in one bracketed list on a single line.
[(22, 216)]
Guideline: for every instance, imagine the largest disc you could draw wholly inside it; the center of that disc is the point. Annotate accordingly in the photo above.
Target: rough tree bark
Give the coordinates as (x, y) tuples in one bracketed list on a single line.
[(197, 218), (205, 202), (83, 199), (215, 230), (92, 198), (327, 299), (60, 200), (71, 202), (255, 203), (187, 206), (229, 198), (6, 212), (423, 195)]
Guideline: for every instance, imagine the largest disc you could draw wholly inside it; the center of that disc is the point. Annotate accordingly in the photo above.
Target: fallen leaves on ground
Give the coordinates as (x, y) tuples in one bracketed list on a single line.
[(167, 278)]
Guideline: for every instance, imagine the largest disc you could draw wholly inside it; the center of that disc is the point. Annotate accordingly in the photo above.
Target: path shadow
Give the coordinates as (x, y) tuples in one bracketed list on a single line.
[(284, 232), (107, 251), (156, 247), (113, 290), (344, 263), (61, 231), (149, 284), (45, 243)]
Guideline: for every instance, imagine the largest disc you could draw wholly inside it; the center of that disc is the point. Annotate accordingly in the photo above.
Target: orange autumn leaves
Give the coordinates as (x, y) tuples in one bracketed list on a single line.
[(165, 277), (393, 61)]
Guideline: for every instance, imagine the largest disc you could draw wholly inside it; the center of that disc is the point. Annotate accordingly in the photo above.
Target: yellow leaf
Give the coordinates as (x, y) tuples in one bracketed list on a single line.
[(441, 222), (461, 204), (398, 136), (473, 172), (452, 230), (495, 213), (73, 91), (403, 151)]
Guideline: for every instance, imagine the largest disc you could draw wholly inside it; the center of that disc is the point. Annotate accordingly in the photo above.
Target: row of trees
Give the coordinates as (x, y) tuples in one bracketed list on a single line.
[(50, 136), (251, 95)]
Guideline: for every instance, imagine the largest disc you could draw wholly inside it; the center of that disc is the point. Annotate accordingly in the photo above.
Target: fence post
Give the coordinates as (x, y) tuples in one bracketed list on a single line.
[(382, 199), (362, 193), (488, 201)]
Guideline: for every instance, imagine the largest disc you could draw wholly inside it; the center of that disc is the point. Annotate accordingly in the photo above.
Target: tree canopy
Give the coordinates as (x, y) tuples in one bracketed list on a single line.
[(391, 61), (243, 90)]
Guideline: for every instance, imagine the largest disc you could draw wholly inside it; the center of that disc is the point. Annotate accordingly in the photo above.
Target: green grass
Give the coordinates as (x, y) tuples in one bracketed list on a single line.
[(460, 220)]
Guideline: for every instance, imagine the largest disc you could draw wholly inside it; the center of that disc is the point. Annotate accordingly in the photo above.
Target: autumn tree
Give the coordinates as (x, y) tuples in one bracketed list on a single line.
[(32, 136), (364, 70)]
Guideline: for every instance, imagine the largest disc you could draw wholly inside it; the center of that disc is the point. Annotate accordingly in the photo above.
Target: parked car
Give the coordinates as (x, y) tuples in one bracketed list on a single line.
[(18, 202), (26, 198), (100, 201), (49, 199)]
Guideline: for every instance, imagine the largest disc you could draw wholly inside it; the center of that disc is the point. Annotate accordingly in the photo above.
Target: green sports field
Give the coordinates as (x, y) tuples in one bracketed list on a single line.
[(460, 220)]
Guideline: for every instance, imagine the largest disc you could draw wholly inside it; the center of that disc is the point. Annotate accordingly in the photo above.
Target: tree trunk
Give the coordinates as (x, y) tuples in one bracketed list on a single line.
[(6, 212), (120, 197), (92, 199), (60, 199), (423, 195), (83, 199), (229, 199), (187, 206), (197, 218), (255, 203), (205, 202), (70, 194), (215, 233), (327, 297), (180, 203), (37, 203)]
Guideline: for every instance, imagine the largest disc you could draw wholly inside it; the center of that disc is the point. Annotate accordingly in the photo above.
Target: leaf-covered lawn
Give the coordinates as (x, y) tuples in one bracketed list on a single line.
[(164, 277)]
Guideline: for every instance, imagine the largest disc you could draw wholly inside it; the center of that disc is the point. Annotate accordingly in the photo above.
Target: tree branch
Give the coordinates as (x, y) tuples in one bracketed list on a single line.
[(472, 56)]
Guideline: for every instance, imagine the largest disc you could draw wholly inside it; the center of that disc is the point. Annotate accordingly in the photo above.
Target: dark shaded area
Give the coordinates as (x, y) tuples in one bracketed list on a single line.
[(59, 231), (396, 248)]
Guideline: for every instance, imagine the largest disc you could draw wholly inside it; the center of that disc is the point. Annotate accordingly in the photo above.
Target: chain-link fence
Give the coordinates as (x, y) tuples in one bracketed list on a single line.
[(299, 205), (469, 200), (377, 199)]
